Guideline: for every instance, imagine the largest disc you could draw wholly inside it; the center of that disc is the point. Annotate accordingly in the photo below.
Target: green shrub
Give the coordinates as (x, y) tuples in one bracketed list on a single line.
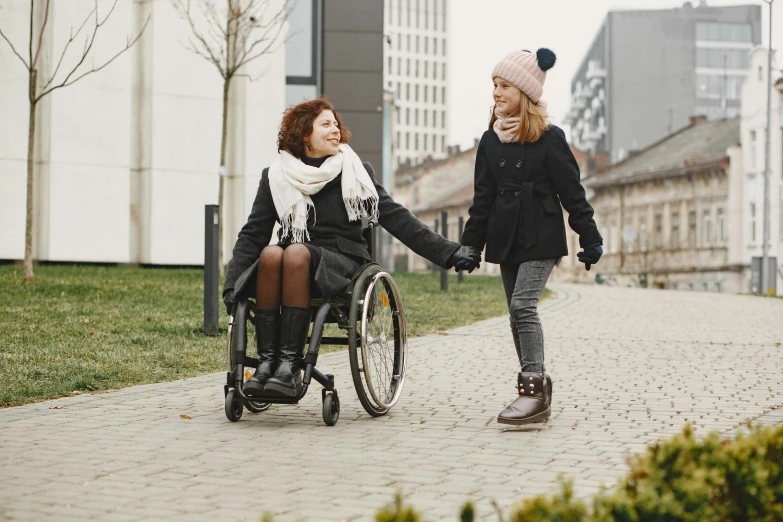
[(684, 480), (396, 512)]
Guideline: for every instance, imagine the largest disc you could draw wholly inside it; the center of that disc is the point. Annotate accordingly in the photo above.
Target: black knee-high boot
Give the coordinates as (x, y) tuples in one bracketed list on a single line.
[(267, 343), (287, 379)]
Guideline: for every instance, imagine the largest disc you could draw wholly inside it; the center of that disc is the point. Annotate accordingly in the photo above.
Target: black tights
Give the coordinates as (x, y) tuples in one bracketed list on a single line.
[(283, 277)]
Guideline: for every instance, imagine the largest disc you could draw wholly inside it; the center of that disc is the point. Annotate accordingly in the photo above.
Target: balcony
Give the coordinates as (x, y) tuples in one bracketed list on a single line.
[(594, 70)]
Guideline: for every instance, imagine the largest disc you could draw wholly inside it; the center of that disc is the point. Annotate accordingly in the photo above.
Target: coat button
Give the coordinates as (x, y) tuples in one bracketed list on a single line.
[(502, 163), (502, 192), (519, 163), (517, 193)]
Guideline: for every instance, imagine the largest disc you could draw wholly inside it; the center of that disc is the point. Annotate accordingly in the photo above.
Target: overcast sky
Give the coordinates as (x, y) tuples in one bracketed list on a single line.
[(482, 32)]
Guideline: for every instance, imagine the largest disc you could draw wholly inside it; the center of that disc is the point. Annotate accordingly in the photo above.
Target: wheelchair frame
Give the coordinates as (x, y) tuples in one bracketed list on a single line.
[(358, 339)]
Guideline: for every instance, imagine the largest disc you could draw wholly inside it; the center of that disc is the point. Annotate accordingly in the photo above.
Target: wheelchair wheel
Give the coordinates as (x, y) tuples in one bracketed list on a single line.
[(256, 407), (233, 406), (331, 408), (378, 356)]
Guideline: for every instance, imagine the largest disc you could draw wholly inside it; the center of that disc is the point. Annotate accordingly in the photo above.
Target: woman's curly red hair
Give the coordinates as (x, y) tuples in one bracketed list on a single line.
[(297, 124)]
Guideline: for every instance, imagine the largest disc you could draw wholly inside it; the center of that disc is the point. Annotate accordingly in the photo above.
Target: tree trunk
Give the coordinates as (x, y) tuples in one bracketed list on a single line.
[(28, 232), (221, 189)]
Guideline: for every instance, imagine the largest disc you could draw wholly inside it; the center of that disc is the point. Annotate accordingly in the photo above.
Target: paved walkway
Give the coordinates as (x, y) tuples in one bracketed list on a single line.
[(629, 366)]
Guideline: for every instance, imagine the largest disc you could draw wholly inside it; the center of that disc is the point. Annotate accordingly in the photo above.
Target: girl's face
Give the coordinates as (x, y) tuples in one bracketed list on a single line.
[(507, 97), (325, 138)]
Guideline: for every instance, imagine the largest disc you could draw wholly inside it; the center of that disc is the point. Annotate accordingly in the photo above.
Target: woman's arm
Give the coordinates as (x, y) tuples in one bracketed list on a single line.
[(255, 234), (564, 171), (484, 193), (406, 227)]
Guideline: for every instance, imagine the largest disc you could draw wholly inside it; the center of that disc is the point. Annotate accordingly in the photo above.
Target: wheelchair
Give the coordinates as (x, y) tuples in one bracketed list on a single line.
[(371, 313)]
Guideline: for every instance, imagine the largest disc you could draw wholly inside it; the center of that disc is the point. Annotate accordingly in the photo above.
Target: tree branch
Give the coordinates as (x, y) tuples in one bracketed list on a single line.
[(13, 49), (128, 45), (65, 49), (40, 34), (206, 50)]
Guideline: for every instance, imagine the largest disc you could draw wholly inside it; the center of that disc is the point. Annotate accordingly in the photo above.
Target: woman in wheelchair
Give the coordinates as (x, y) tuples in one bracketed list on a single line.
[(319, 191)]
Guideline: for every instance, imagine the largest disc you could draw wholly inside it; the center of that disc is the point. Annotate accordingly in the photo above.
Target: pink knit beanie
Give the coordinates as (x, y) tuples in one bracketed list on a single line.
[(526, 71)]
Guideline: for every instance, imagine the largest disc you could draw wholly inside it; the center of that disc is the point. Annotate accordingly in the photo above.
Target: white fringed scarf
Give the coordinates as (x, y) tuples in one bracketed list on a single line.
[(292, 182)]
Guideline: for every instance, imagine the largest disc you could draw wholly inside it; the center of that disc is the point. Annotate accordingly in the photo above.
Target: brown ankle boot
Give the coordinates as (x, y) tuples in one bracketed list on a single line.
[(534, 403)]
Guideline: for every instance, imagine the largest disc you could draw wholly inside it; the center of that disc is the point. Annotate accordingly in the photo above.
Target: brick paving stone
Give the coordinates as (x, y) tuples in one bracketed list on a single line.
[(629, 366)]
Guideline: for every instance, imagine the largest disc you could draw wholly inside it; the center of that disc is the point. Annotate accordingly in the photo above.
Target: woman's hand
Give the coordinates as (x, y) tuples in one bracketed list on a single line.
[(465, 258), (590, 255)]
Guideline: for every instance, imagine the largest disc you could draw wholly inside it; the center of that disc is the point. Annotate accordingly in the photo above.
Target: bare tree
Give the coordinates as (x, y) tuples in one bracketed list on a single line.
[(39, 87), (229, 37)]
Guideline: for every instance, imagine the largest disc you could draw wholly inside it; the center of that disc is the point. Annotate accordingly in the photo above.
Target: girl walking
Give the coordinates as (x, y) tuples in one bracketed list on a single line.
[(524, 172)]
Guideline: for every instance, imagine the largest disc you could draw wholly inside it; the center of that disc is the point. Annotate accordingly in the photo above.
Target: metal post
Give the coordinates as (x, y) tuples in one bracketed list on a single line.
[(765, 235), (460, 228), (211, 221), (444, 274), (434, 229)]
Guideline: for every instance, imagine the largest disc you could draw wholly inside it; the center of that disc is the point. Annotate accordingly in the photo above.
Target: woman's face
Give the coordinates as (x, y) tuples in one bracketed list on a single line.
[(325, 138), (507, 97)]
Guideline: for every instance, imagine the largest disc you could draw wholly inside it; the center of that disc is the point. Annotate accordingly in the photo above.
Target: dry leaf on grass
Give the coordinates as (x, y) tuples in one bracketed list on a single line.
[(56, 407), (443, 333), (183, 416)]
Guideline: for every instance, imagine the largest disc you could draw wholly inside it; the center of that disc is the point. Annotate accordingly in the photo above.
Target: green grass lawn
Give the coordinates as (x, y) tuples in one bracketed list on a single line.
[(84, 328)]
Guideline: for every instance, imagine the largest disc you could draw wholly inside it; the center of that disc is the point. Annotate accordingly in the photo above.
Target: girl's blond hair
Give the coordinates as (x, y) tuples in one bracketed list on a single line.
[(533, 123)]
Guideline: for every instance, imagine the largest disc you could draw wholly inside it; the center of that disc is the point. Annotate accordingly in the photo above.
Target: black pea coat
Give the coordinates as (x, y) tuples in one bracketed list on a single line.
[(518, 192), (342, 247)]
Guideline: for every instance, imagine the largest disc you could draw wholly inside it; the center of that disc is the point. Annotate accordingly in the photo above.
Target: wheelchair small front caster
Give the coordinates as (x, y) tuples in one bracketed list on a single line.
[(331, 408), (234, 406)]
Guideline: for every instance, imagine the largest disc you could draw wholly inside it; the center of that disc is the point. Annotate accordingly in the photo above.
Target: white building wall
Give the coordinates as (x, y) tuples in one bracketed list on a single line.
[(754, 122), (416, 58), (85, 177)]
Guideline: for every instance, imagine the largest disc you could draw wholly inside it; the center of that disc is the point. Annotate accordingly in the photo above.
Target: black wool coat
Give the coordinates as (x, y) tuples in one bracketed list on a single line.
[(340, 243), (518, 190)]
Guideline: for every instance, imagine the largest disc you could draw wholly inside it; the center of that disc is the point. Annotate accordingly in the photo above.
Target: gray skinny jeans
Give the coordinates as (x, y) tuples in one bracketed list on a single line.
[(524, 283)]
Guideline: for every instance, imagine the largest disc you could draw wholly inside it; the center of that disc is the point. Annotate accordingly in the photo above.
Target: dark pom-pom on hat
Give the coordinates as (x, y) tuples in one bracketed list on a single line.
[(546, 58)]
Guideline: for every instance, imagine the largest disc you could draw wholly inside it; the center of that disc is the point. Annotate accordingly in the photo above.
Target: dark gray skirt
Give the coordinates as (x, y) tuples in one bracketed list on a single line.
[(330, 272)]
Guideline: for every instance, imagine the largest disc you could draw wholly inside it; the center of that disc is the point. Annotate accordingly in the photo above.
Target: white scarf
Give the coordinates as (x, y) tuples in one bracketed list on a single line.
[(292, 182)]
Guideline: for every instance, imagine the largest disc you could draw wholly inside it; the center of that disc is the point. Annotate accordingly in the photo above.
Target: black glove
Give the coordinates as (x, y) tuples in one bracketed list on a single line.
[(590, 255), (229, 300), (465, 258)]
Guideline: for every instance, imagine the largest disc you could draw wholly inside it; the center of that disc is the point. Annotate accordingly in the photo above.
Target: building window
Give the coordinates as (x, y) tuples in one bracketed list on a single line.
[(443, 72), (720, 224), (443, 119), (753, 151), (416, 142), (417, 14), (612, 238), (434, 94), (426, 68), (399, 120), (717, 286), (390, 67), (443, 95), (407, 92), (399, 66), (692, 229), (407, 116), (435, 15), (434, 143), (643, 234), (426, 15), (399, 90), (435, 70), (675, 236), (408, 67), (417, 43), (416, 90), (722, 58), (723, 32), (629, 246), (426, 45), (706, 228), (443, 48), (409, 17), (425, 116), (399, 14), (424, 148), (753, 222), (417, 68), (435, 124), (408, 42), (658, 231), (435, 46), (443, 143), (416, 117), (407, 141)]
